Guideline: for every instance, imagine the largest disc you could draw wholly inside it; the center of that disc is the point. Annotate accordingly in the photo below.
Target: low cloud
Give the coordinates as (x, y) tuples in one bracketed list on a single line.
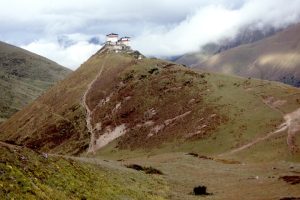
[(65, 51), (214, 22), (70, 31)]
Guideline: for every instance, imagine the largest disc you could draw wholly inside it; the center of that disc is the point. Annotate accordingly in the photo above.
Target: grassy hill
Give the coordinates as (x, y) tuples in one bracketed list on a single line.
[(274, 58), (23, 77), (152, 105), (239, 137)]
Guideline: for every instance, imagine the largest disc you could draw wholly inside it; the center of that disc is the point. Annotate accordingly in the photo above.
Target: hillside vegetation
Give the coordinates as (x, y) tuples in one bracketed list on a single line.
[(151, 105), (23, 77), (25, 174)]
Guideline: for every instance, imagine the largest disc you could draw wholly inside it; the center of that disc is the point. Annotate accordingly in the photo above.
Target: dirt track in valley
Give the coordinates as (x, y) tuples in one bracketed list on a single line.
[(291, 125), (282, 127)]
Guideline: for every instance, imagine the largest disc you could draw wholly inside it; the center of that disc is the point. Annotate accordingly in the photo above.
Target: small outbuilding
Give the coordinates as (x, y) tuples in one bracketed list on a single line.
[(124, 41)]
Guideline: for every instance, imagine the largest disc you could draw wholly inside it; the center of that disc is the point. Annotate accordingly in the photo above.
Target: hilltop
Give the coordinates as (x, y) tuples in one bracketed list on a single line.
[(23, 77)]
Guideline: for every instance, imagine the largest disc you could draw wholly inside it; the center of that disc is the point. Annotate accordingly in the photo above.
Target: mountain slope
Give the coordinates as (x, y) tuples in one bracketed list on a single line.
[(274, 58), (116, 103), (23, 77), (245, 35), (191, 59)]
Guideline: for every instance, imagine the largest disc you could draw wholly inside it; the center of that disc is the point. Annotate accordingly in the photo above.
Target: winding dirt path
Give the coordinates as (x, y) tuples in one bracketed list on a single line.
[(281, 128), (89, 112), (291, 125), (11, 146)]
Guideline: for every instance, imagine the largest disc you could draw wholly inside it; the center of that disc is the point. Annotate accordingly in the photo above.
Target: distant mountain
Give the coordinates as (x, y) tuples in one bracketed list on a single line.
[(95, 40), (23, 77), (274, 58), (191, 59), (246, 35)]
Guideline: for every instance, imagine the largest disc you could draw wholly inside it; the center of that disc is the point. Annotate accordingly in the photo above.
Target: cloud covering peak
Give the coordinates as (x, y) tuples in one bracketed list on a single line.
[(214, 22), (70, 31)]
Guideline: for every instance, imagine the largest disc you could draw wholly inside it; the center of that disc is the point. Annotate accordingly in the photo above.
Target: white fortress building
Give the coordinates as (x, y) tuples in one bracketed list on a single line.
[(113, 40)]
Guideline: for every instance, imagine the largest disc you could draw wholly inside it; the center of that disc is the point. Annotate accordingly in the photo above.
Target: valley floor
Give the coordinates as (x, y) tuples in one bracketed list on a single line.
[(224, 179)]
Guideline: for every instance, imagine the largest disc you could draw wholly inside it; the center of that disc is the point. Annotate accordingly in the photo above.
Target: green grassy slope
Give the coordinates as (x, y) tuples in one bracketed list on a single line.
[(241, 103), (23, 77), (25, 174)]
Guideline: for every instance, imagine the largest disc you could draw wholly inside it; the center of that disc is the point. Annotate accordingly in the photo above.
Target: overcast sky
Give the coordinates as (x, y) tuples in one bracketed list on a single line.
[(70, 31)]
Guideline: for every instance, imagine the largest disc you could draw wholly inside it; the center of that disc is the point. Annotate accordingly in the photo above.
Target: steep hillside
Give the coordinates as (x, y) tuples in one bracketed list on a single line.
[(115, 102), (274, 58), (23, 77)]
